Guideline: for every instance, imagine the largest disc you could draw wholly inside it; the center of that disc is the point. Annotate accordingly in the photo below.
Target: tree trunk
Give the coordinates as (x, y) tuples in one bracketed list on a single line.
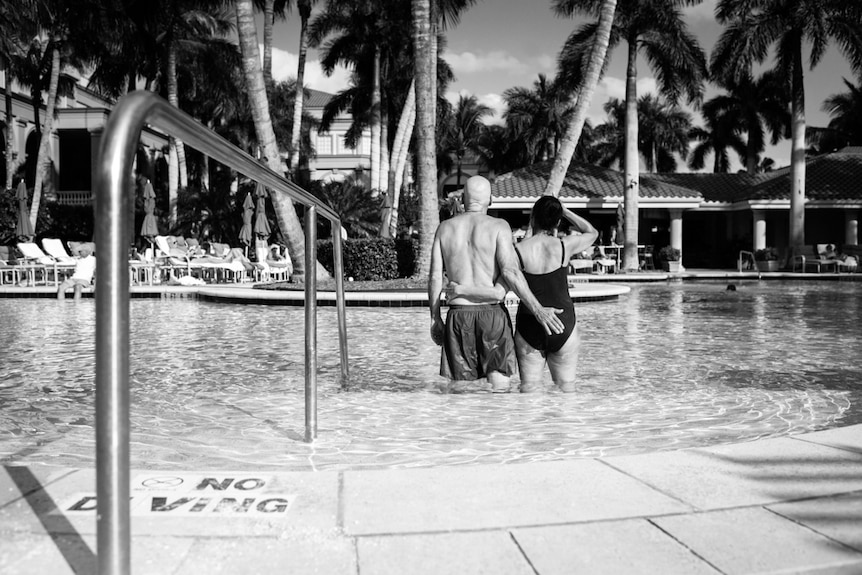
[(797, 154), (585, 96), (632, 164), (384, 151), (178, 153), (300, 92), (400, 145), (284, 210), (10, 136), (43, 161), (425, 62), (375, 124), (750, 157), (268, 24)]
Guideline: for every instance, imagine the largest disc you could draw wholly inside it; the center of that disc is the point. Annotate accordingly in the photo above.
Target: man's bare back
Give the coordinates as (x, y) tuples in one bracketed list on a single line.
[(468, 245)]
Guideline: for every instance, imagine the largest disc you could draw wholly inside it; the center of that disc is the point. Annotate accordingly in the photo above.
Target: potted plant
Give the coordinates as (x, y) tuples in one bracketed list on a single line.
[(669, 257), (766, 260)]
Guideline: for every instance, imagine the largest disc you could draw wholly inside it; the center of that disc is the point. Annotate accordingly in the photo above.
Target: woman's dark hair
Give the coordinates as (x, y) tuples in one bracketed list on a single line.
[(547, 212)]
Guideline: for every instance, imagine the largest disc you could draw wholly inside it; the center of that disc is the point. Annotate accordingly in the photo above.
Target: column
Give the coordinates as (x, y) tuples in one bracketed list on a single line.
[(759, 229), (676, 231), (851, 227)]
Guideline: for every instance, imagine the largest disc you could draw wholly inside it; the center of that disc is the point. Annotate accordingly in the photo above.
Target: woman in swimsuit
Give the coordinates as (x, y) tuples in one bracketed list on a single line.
[(544, 261)]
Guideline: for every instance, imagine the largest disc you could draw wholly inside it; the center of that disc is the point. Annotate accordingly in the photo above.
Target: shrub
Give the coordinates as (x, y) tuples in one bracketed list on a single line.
[(766, 254), (372, 259), (669, 254)]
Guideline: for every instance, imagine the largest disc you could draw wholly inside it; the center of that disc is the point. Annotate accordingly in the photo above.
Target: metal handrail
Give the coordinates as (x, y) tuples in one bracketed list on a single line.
[(113, 184)]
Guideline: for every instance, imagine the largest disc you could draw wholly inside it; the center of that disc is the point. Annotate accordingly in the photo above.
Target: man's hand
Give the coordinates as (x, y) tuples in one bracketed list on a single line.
[(437, 331), (547, 316)]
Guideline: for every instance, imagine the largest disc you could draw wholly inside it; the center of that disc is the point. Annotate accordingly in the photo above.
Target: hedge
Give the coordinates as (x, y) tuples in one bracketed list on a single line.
[(372, 259)]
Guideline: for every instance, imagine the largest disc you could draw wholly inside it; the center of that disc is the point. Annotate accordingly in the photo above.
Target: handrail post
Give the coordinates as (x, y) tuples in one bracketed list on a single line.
[(338, 266), (113, 185), (310, 323)]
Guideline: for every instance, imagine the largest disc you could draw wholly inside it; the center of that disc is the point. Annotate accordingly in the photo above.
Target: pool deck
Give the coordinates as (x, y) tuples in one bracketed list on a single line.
[(786, 505), (791, 504)]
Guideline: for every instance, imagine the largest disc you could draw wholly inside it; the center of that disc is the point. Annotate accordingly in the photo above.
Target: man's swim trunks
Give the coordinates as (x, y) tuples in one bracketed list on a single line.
[(477, 340)]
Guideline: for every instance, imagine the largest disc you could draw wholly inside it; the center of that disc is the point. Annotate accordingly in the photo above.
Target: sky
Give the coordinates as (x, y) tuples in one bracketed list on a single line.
[(500, 44)]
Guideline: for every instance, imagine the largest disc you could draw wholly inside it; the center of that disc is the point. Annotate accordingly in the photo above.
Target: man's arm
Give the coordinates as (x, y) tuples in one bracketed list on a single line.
[(435, 287), (506, 260)]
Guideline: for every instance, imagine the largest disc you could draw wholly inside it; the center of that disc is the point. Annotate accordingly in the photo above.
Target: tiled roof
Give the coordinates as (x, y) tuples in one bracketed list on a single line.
[(835, 177), (317, 99), (829, 178), (585, 181), (727, 188)]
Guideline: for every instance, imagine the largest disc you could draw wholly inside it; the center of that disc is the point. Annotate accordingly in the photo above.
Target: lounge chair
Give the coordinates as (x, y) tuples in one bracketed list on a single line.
[(54, 248), (809, 257), (36, 261), (603, 263)]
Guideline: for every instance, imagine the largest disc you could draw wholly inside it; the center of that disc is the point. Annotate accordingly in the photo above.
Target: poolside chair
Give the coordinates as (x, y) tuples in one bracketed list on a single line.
[(38, 263), (172, 259), (603, 263), (54, 248), (809, 257)]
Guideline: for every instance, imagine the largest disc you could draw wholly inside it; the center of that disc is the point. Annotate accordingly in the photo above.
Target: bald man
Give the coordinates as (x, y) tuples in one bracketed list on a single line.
[(475, 250)]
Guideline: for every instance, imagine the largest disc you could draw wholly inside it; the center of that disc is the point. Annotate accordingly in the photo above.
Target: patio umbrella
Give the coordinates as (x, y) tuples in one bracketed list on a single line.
[(23, 229), (261, 224), (150, 226), (247, 214)]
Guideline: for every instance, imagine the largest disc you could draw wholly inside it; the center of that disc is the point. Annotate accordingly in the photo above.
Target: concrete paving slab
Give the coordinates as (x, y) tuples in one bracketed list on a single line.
[(26, 554), (18, 480), (267, 555), (849, 438), (755, 540), (754, 473), (39, 510), (632, 546), (494, 496), (494, 553), (839, 518)]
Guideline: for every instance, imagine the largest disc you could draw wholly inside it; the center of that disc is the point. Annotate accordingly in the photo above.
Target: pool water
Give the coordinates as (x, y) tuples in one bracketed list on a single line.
[(220, 386)]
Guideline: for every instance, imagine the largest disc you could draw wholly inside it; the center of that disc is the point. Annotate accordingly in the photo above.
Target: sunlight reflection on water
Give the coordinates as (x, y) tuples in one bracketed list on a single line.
[(216, 385)]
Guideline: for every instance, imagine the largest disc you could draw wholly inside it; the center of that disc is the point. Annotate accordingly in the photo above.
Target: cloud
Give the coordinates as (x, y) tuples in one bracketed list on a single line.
[(610, 87), (498, 60), (493, 101), (699, 12), (284, 67)]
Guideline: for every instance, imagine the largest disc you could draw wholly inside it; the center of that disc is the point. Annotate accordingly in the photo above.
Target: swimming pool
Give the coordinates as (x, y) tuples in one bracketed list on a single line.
[(220, 386)]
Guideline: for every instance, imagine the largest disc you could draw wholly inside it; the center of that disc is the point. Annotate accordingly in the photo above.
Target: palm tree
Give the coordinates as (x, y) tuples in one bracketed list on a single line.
[(585, 89), (540, 114), (358, 208), (426, 160), (845, 110), (719, 134), (755, 106), (359, 33), (462, 134), (656, 28), (752, 27), (272, 11), (665, 127), (304, 8), (15, 27), (284, 210)]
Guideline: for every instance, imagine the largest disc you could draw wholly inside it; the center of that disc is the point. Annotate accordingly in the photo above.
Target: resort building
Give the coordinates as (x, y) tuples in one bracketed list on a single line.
[(709, 217), (334, 160), (80, 119)]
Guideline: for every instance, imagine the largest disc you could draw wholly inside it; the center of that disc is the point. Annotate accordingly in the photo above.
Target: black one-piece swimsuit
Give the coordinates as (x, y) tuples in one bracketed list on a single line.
[(552, 290)]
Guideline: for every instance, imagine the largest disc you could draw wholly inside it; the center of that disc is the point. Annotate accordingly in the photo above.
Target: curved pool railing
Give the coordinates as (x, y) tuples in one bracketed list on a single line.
[(113, 183)]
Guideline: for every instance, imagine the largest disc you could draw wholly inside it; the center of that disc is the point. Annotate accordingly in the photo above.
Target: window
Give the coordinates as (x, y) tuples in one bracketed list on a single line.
[(324, 144)]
